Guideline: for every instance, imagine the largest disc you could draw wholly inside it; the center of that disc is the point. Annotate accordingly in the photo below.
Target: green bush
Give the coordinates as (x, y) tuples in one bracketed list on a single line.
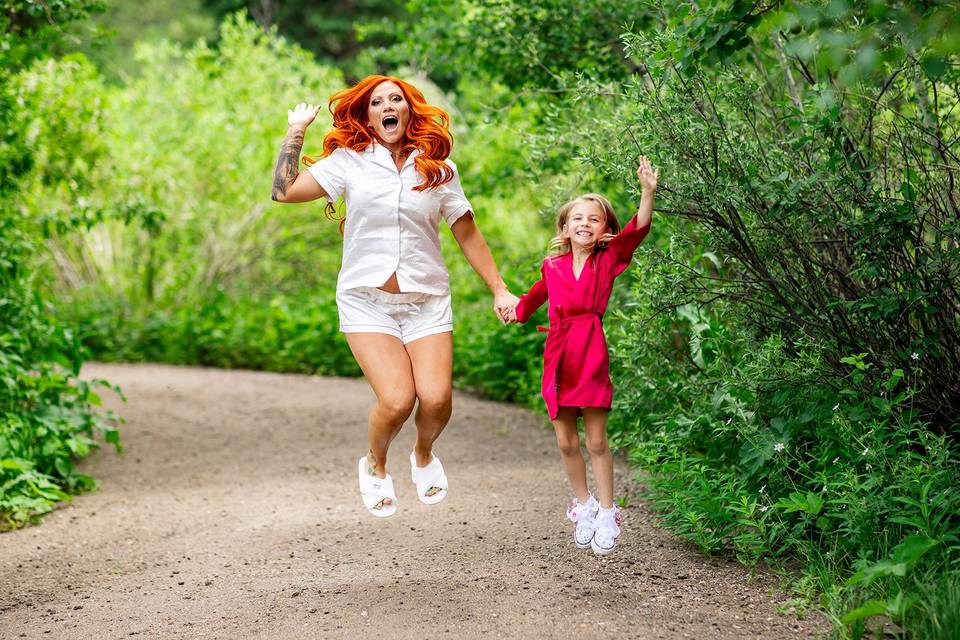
[(284, 333), (47, 415)]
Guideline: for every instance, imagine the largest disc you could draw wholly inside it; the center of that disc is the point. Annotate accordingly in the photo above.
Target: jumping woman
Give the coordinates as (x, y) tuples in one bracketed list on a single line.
[(387, 158)]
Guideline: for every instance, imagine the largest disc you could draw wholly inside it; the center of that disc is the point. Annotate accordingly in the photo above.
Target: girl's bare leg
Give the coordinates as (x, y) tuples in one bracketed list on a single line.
[(595, 427), (432, 360), (386, 366), (568, 440)]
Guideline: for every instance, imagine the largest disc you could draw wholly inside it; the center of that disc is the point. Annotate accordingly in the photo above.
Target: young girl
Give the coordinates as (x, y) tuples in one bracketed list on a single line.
[(592, 252)]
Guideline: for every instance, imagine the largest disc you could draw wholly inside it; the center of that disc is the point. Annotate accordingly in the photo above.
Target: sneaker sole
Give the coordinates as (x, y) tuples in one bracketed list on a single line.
[(600, 551)]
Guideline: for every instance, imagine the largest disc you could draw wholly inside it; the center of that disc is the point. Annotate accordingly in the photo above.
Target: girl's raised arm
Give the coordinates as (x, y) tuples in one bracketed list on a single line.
[(626, 242), (289, 185)]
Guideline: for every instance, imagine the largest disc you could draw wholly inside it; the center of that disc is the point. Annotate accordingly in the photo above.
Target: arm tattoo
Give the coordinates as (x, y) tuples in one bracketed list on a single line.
[(286, 170)]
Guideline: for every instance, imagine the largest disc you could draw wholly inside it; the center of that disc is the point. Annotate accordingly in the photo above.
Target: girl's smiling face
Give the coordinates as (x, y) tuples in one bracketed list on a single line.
[(586, 224), (388, 113)]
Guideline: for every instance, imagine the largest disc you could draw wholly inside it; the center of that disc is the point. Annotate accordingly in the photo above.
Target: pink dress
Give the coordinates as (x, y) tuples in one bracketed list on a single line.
[(576, 365)]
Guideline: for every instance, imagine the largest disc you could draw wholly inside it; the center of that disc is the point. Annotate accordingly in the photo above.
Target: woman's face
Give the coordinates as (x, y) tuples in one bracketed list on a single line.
[(388, 112), (586, 224)]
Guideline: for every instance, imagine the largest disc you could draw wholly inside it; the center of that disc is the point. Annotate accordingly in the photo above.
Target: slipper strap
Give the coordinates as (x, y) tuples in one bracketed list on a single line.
[(374, 489), (431, 475)]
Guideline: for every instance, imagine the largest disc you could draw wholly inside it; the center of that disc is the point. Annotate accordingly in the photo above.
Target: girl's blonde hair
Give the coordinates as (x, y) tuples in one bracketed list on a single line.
[(560, 245)]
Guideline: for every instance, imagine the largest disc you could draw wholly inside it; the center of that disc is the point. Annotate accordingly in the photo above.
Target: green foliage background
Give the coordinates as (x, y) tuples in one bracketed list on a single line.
[(47, 415), (786, 348)]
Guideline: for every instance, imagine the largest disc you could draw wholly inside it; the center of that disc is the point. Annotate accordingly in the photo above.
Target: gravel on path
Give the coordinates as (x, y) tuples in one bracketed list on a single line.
[(233, 512)]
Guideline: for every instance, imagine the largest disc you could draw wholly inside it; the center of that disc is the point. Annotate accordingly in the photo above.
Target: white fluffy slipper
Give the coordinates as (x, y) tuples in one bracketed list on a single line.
[(431, 475), (374, 489)]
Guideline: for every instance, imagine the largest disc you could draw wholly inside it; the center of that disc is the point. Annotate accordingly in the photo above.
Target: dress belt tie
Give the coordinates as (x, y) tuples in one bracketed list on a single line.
[(568, 320)]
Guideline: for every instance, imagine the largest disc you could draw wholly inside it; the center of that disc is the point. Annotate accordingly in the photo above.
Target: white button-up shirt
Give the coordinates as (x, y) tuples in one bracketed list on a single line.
[(390, 228)]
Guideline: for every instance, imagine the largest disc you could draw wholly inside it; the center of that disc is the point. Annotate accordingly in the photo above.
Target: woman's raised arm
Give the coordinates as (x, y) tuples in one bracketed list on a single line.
[(289, 185)]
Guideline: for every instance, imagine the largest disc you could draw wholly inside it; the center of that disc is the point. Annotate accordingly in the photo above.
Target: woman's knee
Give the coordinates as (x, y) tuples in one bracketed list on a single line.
[(397, 406), (437, 404)]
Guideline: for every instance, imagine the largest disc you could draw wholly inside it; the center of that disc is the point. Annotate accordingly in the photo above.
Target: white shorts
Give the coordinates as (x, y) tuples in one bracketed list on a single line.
[(408, 316)]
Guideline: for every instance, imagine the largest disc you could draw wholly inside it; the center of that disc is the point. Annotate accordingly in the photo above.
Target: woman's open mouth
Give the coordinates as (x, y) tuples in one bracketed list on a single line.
[(390, 123)]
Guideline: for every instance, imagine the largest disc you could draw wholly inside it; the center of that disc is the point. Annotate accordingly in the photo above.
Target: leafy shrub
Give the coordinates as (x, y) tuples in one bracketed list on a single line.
[(47, 416)]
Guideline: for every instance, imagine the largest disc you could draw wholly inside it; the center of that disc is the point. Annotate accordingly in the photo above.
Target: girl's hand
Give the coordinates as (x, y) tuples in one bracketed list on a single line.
[(648, 177), (302, 115)]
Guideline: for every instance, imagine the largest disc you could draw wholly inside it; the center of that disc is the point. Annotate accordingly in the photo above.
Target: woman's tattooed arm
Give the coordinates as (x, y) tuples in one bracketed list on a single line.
[(286, 170)]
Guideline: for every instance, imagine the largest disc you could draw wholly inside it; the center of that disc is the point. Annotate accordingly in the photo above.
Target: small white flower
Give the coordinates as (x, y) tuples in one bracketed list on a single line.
[(865, 451), (836, 406), (763, 508), (729, 420), (914, 356), (779, 447)]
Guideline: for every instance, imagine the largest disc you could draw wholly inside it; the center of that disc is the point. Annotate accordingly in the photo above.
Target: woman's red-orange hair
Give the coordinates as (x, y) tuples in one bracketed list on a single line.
[(428, 130)]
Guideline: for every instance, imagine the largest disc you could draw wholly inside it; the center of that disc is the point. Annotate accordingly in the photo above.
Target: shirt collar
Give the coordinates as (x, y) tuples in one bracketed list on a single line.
[(381, 155)]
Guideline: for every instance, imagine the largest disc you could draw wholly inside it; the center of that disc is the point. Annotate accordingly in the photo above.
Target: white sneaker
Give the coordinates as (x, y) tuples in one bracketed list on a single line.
[(584, 515), (607, 530)]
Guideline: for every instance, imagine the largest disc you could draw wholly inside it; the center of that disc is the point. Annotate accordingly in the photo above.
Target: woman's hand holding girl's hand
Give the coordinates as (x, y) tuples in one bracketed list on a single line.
[(505, 304), (302, 115), (510, 316), (648, 177)]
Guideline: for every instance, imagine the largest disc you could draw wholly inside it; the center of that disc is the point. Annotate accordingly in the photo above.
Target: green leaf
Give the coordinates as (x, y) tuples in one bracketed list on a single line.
[(934, 66), (867, 610), (913, 547), (63, 467), (8, 463), (878, 570), (910, 521), (904, 554)]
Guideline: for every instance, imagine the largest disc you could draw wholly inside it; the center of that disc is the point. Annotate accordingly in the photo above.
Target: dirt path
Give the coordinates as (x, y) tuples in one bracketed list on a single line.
[(234, 513)]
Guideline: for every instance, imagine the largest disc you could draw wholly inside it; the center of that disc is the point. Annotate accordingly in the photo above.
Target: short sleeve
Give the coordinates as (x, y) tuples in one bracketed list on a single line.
[(453, 203), (330, 173)]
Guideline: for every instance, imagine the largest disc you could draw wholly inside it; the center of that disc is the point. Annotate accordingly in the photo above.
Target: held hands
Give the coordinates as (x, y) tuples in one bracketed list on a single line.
[(302, 115), (647, 175), (505, 305)]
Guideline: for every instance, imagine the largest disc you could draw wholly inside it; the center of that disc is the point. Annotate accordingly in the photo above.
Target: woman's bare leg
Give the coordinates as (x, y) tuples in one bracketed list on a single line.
[(432, 360), (386, 366), (568, 440), (595, 427)]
